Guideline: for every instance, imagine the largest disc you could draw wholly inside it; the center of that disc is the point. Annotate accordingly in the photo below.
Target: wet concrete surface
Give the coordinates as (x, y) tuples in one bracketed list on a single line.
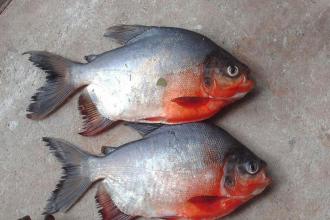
[(286, 120)]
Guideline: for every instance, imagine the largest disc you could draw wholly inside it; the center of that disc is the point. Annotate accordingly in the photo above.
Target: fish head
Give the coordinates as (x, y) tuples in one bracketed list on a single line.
[(244, 176), (225, 78)]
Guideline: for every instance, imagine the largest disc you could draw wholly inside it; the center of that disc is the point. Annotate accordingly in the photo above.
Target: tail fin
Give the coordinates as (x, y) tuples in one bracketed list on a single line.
[(59, 85), (76, 179)]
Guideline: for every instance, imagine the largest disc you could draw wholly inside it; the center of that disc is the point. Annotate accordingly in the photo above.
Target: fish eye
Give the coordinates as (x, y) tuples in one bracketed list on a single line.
[(232, 71), (252, 167)]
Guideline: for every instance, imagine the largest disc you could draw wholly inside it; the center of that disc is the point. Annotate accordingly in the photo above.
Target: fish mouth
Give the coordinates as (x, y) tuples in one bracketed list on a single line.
[(246, 86), (241, 90), (264, 182), (258, 191), (237, 96)]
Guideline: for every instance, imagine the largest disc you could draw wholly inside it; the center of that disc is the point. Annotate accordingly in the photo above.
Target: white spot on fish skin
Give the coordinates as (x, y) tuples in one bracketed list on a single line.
[(12, 125)]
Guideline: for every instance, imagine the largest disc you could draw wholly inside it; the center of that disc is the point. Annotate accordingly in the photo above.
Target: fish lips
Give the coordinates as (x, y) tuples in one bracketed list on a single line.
[(246, 86), (241, 90)]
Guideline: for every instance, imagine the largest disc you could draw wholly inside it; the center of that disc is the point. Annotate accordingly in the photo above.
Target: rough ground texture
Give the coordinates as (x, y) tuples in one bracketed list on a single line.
[(286, 120)]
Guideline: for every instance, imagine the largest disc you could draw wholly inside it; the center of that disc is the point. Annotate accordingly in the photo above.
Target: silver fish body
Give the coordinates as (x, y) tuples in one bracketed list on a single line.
[(160, 75), (127, 72), (167, 167), (160, 175)]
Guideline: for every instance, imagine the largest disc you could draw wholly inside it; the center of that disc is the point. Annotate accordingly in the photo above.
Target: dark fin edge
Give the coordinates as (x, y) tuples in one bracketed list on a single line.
[(74, 181), (57, 88)]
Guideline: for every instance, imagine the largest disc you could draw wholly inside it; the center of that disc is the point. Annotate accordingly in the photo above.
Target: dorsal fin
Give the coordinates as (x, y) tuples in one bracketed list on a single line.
[(144, 128), (94, 122), (107, 208), (123, 34)]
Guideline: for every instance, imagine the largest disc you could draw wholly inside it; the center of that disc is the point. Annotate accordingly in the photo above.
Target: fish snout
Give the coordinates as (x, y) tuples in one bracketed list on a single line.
[(265, 178), (246, 85)]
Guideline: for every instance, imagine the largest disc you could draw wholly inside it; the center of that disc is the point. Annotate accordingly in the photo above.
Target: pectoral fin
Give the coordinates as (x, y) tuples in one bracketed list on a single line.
[(107, 208), (205, 203), (191, 101), (213, 206)]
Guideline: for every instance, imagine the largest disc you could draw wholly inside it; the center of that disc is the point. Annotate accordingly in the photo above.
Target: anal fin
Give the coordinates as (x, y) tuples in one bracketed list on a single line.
[(205, 203), (94, 122), (107, 208)]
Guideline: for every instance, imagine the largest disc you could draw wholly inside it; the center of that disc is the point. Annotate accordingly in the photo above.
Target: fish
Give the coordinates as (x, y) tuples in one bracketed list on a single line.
[(158, 75), (185, 171)]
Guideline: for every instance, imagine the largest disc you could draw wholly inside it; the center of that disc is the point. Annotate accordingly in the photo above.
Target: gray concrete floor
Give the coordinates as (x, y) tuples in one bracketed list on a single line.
[(286, 120)]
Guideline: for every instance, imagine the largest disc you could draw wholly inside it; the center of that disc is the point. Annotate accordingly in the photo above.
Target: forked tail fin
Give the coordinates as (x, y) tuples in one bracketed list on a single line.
[(76, 179), (59, 85)]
